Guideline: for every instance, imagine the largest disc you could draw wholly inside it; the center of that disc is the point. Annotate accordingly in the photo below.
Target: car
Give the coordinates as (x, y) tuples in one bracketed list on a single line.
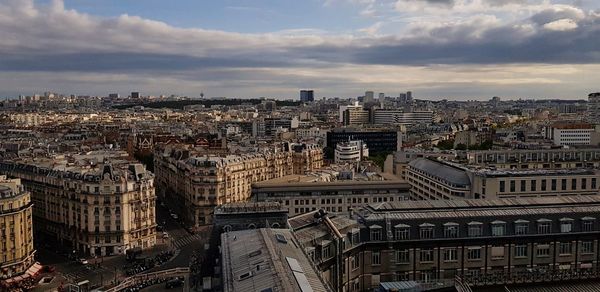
[(165, 235), (174, 216), (83, 261), (177, 282)]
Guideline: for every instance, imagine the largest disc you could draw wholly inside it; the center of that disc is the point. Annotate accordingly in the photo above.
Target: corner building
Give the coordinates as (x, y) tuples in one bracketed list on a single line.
[(95, 206), (16, 233)]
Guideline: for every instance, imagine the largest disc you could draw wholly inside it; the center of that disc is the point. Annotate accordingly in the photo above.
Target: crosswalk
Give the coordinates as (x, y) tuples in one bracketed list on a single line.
[(83, 272), (186, 240)]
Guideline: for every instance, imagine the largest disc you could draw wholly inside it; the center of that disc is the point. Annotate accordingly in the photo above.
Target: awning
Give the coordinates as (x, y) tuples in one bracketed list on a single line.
[(34, 270)]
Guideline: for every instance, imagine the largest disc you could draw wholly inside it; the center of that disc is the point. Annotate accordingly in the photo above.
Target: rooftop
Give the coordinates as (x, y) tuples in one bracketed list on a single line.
[(266, 260)]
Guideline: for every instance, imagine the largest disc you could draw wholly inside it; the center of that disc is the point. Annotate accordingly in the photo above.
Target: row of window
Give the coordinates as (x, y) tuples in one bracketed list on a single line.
[(533, 185), (475, 229), (426, 255)]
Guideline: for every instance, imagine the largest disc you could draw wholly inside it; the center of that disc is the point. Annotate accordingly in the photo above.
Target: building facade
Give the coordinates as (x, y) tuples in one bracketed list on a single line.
[(485, 243), (386, 117), (16, 229), (594, 108), (538, 158), (565, 134), (438, 180), (307, 95), (337, 197), (197, 183), (97, 208)]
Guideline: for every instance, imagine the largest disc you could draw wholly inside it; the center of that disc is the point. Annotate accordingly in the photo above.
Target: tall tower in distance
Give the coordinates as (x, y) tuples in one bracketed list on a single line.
[(593, 109), (307, 95)]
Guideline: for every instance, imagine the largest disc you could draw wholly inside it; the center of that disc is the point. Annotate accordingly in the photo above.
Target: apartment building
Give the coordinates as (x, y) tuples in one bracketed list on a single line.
[(483, 242), (98, 203), (197, 182), (387, 116), (16, 229), (440, 180)]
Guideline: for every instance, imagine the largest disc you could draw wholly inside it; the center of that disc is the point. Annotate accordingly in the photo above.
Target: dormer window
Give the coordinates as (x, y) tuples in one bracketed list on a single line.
[(451, 230), (498, 228), (375, 232), (402, 232), (426, 231)]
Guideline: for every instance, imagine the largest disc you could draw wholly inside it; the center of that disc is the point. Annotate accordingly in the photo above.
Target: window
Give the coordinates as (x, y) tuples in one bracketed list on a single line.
[(566, 225), (402, 256), (450, 255), (451, 230), (402, 232), (553, 182), (375, 258), (512, 186), (523, 186), (533, 185), (354, 262), (375, 232), (426, 255), (564, 248), (521, 227), (573, 184), (543, 250), (474, 229), (593, 183), (543, 185), (563, 184), (502, 186), (326, 250), (544, 226), (474, 253), (498, 228), (587, 247), (521, 250), (584, 183), (587, 224), (426, 231)]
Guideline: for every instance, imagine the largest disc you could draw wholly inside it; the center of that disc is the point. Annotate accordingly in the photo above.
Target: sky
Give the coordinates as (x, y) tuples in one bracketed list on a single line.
[(452, 49)]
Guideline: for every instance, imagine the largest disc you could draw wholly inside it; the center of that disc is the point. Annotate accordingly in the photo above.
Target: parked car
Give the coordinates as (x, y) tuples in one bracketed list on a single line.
[(174, 216), (83, 261), (165, 235), (177, 282)]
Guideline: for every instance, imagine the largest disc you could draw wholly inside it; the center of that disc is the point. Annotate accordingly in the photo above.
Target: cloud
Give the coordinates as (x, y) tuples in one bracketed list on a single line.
[(39, 41), (564, 24)]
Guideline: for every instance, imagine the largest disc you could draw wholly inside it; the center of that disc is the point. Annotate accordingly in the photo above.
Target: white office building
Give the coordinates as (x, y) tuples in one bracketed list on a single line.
[(350, 152)]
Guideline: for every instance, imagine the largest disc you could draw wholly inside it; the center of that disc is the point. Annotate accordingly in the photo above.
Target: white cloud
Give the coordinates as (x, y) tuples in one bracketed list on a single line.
[(564, 24)]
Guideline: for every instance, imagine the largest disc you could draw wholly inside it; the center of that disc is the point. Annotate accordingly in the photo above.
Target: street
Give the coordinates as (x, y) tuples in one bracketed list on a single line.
[(104, 270)]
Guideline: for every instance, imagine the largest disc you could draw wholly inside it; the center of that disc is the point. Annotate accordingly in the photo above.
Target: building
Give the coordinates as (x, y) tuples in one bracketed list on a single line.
[(350, 152), (97, 203), (567, 134), (438, 180), (17, 252), (356, 116), (307, 95), (135, 94), (397, 163), (369, 96), (299, 197), (378, 140), (594, 108), (343, 116), (266, 260), (536, 158), (250, 215), (387, 116), (482, 242), (195, 182)]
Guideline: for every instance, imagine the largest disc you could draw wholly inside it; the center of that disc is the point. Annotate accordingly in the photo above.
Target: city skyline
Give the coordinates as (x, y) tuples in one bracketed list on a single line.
[(461, 49)]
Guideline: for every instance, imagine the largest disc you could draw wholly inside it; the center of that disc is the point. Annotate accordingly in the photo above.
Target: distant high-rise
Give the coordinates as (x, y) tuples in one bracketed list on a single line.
[(594, 108), (113, 95), (135, 94), (369, 96), (381, 95), (409, 97), (307, 95)]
